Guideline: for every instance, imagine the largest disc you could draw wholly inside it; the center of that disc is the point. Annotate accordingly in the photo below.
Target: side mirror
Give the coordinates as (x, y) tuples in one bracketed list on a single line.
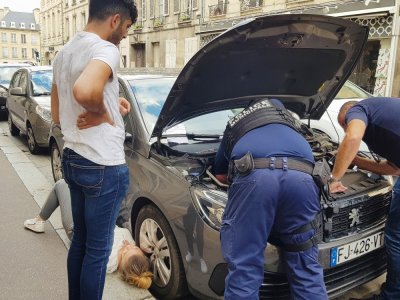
[(18, 91), (128, 138)]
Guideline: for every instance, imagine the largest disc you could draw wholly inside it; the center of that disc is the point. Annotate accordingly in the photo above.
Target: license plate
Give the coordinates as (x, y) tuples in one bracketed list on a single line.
[(356, 249)]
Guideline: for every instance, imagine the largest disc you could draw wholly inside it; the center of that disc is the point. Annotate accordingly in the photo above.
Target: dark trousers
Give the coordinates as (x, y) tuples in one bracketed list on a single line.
[(96, 195), (264, 202), (391, 290)]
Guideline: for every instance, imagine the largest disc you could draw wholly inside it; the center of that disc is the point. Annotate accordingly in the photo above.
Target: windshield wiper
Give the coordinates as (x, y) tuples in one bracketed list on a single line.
[(193, 136), (42, 94)]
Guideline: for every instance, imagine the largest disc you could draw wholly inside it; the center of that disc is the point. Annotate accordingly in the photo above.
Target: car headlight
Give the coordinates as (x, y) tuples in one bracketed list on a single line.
[(210, 204), (3, 92), (44, 113)]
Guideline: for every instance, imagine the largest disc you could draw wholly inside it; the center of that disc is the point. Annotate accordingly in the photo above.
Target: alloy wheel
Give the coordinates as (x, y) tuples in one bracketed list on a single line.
[(154, 242)]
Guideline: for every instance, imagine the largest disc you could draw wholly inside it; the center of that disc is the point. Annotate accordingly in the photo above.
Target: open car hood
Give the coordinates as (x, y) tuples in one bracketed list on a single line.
[(303, 60)]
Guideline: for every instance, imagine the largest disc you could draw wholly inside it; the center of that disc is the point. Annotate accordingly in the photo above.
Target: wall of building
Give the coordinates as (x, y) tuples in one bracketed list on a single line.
[(19, 44)]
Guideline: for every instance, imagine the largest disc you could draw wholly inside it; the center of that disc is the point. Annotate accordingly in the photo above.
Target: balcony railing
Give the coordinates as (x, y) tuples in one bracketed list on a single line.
[(184, 16), (138, 25), (250, 4), (158, 21), (217, 10)]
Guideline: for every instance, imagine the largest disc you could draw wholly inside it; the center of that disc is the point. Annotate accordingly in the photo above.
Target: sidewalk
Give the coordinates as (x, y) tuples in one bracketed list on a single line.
[(34, 265)]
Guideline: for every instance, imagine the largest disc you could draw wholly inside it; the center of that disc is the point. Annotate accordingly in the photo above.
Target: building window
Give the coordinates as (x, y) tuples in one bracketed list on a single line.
[(24, 53), (22, 25), (34, 40), (165, 4), (12, 24), (23, 39), (4, 37), (143, 10), (14, 52), (13, 38), (3, 23), (5, 52), (32, 26), (83, 18)]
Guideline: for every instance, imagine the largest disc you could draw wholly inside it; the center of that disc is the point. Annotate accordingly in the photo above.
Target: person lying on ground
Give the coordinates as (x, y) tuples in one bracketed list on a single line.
[(130, 261)]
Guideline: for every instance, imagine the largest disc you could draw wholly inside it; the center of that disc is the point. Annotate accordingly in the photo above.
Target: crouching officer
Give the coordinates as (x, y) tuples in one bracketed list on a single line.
[(272, 198)]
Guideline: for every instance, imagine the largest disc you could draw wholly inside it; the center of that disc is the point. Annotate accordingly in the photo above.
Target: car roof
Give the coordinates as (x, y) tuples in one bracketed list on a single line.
[(143, 76), (39, 68), (14, 65)]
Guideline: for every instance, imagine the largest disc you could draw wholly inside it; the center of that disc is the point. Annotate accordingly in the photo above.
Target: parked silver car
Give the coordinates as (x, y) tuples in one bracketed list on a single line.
[(174, 203), (6, 73), (28, 105)]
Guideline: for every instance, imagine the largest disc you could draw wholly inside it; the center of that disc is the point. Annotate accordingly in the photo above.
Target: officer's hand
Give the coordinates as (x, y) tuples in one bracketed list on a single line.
[(124, 106), (90, 119), (337, 187)]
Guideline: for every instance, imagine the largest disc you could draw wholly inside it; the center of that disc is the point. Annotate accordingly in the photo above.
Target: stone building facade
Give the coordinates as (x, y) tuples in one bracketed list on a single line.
[(19, 36)]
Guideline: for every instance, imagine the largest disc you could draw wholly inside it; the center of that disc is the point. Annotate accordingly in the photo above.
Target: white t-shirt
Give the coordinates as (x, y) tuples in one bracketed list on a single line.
[(101, 144), (120, 234)]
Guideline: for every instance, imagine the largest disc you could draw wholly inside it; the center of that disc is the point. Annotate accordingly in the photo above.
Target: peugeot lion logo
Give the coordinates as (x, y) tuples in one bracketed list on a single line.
[(354, 216)]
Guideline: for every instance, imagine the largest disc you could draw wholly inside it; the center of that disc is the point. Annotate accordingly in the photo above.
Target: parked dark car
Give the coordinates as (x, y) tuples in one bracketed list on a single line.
[(6, 73), (28, 105), (174, 204)]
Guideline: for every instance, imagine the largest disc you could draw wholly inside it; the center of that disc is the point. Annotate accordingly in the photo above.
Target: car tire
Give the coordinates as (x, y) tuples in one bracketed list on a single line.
[(13, 129), (33, 147), (163, 256), (56, 166)]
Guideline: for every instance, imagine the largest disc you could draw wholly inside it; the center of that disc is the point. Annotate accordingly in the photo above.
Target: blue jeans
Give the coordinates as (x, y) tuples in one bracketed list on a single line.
[(96, 195), (270, 202), (391, 290)]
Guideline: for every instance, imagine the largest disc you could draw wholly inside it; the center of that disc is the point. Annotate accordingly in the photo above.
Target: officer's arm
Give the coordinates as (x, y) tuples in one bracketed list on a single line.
[(54, 104), (347, 150), (384, 167), (89, 87)]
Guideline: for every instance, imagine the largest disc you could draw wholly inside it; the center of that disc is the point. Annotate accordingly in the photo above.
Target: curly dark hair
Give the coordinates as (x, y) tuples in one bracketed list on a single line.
[(102, 9)]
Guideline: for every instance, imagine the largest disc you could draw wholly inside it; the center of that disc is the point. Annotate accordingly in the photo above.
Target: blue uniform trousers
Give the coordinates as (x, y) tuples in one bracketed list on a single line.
[(391, 290), (270, 201)]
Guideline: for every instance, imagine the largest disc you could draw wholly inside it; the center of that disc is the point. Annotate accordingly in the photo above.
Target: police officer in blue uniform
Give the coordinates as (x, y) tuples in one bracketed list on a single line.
[(272, 198), (376, 121)]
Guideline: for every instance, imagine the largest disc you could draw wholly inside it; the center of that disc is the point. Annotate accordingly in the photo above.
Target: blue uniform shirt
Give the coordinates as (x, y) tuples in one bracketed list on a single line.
[(266, 141), (382, 118)]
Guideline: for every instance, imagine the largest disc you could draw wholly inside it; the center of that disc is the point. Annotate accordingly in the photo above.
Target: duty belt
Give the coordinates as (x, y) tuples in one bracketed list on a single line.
[(283, 163), (244, 165)]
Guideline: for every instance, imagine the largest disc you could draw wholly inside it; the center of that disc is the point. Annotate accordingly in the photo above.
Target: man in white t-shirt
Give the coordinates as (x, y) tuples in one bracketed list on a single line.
[(85, 103)]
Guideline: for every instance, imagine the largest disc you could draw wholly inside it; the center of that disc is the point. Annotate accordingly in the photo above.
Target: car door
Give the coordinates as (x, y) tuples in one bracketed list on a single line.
[(11, 99), (22, 102)]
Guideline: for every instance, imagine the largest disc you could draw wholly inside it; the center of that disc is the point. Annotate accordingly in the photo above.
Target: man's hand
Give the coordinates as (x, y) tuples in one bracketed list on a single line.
[(90, 119), (124, 106), (336, 187)]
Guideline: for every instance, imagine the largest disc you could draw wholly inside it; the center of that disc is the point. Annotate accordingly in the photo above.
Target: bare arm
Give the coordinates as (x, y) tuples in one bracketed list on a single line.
[(55, 115), (383, 168), (346, 152), (348, 148), (89, 87)]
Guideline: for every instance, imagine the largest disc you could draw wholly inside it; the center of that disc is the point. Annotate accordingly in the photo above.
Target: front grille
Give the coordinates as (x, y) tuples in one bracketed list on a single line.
[(338, 280), (368, 213)]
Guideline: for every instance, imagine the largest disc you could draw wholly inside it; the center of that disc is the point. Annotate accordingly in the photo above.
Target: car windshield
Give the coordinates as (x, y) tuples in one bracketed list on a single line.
[(351, 91), (151, 95), (6, 74), (41, 82)]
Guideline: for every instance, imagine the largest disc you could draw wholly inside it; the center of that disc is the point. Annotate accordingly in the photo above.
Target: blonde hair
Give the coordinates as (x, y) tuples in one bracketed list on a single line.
[(136, 271)]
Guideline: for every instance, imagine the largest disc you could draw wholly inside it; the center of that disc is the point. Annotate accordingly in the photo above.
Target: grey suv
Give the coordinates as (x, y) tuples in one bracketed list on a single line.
[(174, 204)]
